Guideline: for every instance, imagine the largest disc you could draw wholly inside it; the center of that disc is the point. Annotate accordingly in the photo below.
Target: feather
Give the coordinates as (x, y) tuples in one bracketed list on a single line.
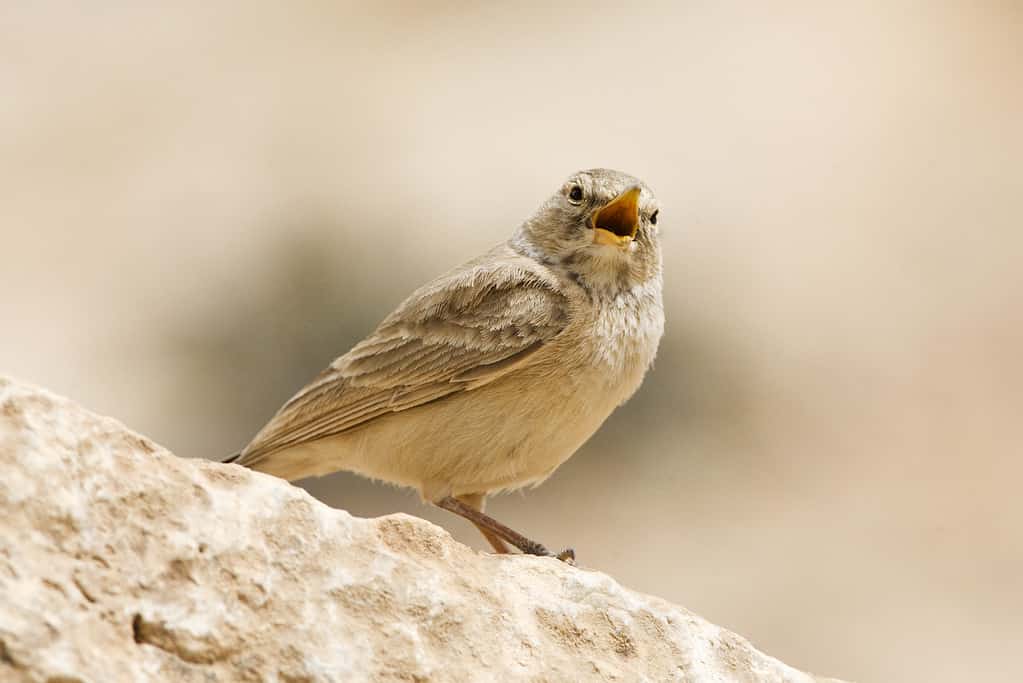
[(459, 332)]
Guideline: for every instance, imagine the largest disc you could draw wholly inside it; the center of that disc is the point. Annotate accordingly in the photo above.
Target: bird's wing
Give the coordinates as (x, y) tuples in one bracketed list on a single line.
[(461, 331)]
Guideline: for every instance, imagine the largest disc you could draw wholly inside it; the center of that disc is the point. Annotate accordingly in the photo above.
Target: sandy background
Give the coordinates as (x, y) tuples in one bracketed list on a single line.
[(202, 206)]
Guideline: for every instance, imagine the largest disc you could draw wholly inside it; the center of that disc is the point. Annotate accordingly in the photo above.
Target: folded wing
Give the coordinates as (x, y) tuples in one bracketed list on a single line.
[(457, 333)]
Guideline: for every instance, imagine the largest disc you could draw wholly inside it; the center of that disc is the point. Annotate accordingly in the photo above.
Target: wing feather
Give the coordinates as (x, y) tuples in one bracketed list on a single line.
[(457, 333)]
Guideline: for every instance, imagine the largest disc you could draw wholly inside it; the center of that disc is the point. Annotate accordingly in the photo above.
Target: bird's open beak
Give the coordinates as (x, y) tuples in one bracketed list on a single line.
[(616, 223)]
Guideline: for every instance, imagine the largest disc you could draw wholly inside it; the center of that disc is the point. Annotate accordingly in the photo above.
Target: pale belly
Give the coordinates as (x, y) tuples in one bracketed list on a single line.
[(510, 433)]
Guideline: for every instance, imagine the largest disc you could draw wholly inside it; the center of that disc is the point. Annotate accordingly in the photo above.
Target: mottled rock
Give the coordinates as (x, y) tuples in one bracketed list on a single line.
[(122, 562)]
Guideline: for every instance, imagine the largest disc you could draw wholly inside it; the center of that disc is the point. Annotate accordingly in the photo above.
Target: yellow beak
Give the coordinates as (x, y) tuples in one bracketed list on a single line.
[(616, 223)]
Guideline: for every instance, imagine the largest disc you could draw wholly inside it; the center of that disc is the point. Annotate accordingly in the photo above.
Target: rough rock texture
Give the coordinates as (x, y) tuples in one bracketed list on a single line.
[(122, 562)]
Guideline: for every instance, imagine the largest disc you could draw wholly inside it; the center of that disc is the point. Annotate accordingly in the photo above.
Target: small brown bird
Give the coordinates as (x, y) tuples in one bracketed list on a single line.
[(492, 375)]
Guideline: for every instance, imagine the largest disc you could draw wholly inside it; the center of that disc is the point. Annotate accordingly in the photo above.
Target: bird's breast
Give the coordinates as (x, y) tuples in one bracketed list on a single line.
[(593, 367), (624, 333)]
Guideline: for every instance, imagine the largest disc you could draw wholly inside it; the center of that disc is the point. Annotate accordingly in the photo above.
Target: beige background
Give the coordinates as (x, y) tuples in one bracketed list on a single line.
[(202, 205)]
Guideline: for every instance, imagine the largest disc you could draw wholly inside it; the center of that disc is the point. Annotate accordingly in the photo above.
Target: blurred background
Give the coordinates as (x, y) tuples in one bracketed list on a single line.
[(204, 203)]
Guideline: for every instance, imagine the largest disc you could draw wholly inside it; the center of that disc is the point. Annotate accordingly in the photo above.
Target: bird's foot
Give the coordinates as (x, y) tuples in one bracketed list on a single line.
[(497, 533), (567, 555)]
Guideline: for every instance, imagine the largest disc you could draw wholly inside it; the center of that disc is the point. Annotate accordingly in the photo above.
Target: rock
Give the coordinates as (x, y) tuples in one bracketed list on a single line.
[(122, 562)]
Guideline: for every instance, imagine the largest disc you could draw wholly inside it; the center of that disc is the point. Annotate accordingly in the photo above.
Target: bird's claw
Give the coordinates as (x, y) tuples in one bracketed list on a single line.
[(567, 555)]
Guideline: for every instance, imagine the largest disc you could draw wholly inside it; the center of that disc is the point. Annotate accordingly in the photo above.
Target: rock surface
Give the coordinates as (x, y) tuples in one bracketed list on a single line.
[(122, 562)]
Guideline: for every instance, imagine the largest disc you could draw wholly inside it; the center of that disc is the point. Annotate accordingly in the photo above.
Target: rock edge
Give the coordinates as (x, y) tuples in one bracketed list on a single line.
[(122, 562)]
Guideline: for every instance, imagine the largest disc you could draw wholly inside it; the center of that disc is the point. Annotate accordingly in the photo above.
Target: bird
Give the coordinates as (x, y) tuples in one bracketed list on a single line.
[(489, 377)]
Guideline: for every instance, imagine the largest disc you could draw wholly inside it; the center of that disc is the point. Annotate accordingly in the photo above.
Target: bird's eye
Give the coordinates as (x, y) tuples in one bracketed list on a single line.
[(653, 217), (575, 193)]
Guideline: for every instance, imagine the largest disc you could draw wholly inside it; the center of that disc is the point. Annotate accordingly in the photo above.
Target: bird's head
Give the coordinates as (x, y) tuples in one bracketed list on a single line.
[(600, 226)]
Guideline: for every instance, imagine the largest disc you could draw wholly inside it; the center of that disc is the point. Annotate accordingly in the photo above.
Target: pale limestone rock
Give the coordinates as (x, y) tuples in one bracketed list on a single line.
[(122, 562)]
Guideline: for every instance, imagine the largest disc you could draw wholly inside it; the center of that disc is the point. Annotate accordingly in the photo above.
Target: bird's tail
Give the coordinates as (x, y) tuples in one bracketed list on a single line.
[(232, 458)]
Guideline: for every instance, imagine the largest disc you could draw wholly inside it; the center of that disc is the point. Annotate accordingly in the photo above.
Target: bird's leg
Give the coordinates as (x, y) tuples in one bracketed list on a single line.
[(483, 521), (477, 501)]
